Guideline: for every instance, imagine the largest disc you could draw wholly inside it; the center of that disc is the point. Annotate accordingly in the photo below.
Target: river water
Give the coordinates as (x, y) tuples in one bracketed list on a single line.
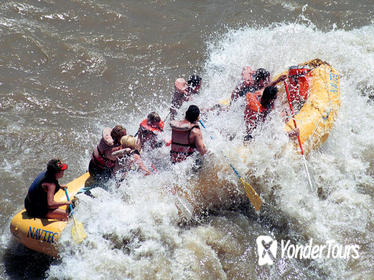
[(69, 68)]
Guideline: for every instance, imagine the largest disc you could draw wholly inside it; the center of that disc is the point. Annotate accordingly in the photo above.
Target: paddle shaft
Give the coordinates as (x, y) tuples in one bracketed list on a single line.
[(67, 196), (77, 230), (298, 137), (233, 168), (71, 207), (293, 116)]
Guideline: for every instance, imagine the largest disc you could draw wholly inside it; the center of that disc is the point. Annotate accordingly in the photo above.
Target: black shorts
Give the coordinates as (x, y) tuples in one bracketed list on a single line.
[(35, 210)]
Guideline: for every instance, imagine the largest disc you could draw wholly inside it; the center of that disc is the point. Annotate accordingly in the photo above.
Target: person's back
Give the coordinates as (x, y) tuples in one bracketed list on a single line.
[(39, 201), (36, 202), (258, 106), (102, 161), (186, 136)]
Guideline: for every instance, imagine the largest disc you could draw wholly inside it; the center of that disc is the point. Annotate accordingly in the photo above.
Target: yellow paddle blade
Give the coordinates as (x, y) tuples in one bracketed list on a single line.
[(78, 232), (254, 198)]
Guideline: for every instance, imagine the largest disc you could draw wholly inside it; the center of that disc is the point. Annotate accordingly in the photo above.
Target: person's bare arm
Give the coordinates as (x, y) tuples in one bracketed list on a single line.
[(141, 165), (294, 133), (52, 204), (121, 152), (280, 79), (198, 140)]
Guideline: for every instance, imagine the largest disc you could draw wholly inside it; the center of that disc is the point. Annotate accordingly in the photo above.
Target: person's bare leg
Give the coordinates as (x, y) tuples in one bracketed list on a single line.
[(57, 214)]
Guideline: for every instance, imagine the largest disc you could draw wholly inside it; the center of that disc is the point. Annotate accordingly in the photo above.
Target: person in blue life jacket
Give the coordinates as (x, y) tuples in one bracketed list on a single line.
[(39, 202)]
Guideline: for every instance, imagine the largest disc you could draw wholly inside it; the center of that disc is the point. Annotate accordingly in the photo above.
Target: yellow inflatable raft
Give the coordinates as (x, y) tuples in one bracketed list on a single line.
[(317, 116), (41, 235)]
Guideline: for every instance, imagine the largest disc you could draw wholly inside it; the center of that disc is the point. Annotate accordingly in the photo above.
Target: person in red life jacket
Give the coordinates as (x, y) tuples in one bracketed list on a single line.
[(253, 81), (258, 106), (186, 136), (149, 132), (103, 162), (129, 158), (39, 201), (181, 95), (194, 84)]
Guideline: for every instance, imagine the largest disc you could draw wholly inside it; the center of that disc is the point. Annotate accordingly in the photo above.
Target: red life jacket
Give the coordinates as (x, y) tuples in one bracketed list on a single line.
[(145, 126), (181, 148), (299, 77), (254, 112), (149, 133), (99, 157)]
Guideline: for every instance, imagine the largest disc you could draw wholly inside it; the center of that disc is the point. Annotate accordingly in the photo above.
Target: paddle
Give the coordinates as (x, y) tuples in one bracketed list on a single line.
[(298, 138), (77, 231), (254, 198)]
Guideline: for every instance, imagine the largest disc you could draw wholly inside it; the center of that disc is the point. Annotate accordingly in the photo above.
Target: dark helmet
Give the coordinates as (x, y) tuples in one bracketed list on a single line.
[(194, 80), (261, 75)]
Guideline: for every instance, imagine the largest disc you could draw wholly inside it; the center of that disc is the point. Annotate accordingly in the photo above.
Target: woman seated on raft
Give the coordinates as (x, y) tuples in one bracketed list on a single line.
[(258, 106), (129, 158), (39, 202)]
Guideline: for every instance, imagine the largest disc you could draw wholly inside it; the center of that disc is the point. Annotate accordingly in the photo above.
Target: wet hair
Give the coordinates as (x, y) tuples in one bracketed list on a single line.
[(153, 117), (269, 94), (261, 75), (117, 132), (192, 113), (194, 80)]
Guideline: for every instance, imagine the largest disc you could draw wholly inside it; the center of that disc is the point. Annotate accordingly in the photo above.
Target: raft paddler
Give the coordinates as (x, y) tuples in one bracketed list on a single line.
[(253, 81), (258, 106), (149, 132), (39, 202), (103, 161), (181, 95), (186, 136)]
